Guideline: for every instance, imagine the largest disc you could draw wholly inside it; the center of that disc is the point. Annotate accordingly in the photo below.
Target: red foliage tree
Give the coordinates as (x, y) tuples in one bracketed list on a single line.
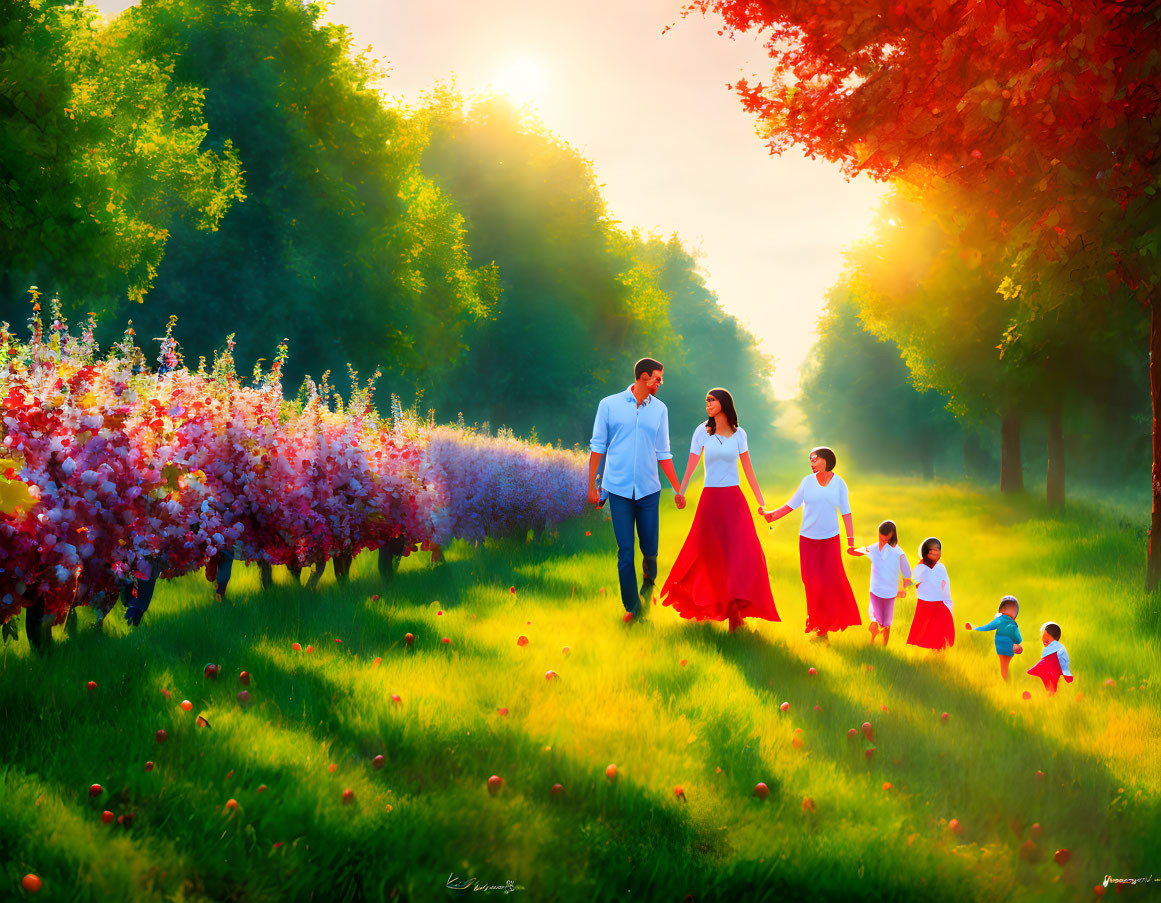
[(1048, 110)]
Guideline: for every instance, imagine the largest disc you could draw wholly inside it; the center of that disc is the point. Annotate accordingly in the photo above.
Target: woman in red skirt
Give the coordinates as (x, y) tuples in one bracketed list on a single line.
[(720, 573), (933, 627), (830, 601)]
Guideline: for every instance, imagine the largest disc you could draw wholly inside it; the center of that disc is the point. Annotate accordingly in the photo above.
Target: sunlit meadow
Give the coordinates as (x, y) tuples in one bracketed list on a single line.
[(670, 704)]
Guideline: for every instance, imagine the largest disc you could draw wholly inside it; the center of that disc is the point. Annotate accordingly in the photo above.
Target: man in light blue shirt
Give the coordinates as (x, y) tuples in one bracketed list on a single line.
[(631, 431)]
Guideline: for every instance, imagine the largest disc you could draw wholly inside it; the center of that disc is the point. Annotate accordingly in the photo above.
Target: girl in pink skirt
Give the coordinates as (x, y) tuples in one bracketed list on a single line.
[(888, 562)]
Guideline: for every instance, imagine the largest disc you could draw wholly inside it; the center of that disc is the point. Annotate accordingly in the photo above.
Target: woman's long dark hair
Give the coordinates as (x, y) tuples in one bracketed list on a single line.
[(726, 400), (928, 544), (887, 528)]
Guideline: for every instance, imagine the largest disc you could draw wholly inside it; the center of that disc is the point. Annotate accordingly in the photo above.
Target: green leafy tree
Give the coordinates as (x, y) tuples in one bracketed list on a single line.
[(100, 146)]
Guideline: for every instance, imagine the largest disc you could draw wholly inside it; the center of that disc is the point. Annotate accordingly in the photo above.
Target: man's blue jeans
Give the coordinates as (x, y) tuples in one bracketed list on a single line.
[(643, 513)]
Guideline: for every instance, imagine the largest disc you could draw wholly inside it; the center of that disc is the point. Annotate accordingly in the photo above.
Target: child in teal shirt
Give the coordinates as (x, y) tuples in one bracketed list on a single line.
[(1007, 633)]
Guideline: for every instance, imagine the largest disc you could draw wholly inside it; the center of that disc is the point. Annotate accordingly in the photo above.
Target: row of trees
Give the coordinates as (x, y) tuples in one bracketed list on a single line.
[(234, 164), (1026, 135)]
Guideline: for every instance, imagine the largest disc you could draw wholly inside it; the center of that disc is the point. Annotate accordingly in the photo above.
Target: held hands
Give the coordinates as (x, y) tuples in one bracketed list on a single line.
[(1017, 649), (594, 496), (851, 550), (679, 500), (967, 626)]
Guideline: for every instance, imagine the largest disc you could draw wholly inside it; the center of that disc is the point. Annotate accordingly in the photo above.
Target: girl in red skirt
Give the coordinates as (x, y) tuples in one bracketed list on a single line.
[(830, 601), (933, 627), (720, 573)]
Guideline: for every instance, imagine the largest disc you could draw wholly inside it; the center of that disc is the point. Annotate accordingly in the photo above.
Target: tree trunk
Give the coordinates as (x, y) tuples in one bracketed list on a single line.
[(316, 575), (38, 631), (1153, 570), (926, 457), (1055, 456), (342, 563), (295, 570), (1011, 470), (265, 574)]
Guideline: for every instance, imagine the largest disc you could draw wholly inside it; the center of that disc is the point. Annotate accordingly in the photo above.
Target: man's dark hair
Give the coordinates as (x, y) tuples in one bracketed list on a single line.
[(1053, 630), (646, 365), (827, 455)]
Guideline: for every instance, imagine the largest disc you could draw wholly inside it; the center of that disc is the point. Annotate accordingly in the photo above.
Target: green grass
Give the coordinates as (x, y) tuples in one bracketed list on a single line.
[(712, 726)]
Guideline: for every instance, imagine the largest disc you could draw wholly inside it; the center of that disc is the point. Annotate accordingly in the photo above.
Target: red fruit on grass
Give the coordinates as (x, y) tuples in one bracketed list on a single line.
[(557, 789), (868, 731), (348, 796), (446, 641), (261, 788), (309, 649), (297, 647), (332, 768), (149, 766), (567, 652), (211, 671), (811, 671), (1110, 683), (1098, 890), (375, 598), (679, 792), (588, 532), (628, 617), (808, 805), (883, 707), (31, 883), (377, 762), (395, 698), (244, 677), (376, 662), (1036, 829), (503, 711), (495, 782), (1027, 695), (955, 826), (682, 663), (611, 772), (869, 753), (512, 590), (761, 790), (108, 817), (337, 640), (1062, 856), (550, 675), (852, 733), (521, 640), (409, 638), (186, 705), (944, 716), (244, 698), (95, 790), (91, 685), (161, 736), (785, 707), (886, 785), (231, 804), (438, 613)]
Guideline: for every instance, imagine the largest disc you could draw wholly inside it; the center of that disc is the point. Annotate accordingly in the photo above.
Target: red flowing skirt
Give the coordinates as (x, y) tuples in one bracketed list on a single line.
[(830, 601), (1048, 670), (720, 571), (933, 627)]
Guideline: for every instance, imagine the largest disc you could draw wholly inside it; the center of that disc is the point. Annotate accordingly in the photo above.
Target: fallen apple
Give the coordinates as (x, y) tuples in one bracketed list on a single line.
[(808, 805), (886, 785), (521, 640), (95, 790), (549, 675), (868, 731), (1062, 856), (811, 671), (409, 638), (852, 733), (261, 788), (244, 677), (557, 789), (761, 790), (348, 796), (377, 762), (1036, 829), (679, 792), (31, 883), (161, 736), (149, 766), (91, 685), (297, 647), (611, 772), (186, 705), (503, 710), (211, 671), (944, 716), (567, 652), (446, 641), (955, 826), (244, 698), (785, 707), (231, 804), (495, 782), (1027, 695)]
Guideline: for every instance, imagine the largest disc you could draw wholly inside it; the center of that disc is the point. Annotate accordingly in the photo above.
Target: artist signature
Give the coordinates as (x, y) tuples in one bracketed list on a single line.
[(474, 884), (1109, 879)]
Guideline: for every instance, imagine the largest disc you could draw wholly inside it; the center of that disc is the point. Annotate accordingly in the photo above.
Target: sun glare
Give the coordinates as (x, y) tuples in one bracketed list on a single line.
[(523, 80)]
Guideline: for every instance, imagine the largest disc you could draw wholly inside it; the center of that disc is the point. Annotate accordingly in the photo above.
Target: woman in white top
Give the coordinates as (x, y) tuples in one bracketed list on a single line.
[(720, 572), (888, 562), (933, 627), (830, 601)]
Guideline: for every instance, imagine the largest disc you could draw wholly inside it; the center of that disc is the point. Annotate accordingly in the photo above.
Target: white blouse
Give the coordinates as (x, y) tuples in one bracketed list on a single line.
[(886, 566), (721, 455), (819, 517), (932, 584)]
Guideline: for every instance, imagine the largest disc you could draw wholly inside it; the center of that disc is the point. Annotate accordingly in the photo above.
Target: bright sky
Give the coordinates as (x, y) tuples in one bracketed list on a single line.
[(670, 144)]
